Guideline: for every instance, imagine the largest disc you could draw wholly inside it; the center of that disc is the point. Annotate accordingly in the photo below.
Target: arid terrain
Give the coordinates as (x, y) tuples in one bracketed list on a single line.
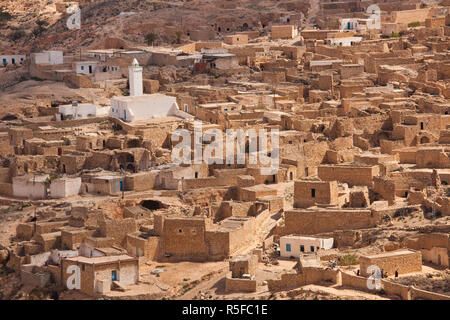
[(221, 150)]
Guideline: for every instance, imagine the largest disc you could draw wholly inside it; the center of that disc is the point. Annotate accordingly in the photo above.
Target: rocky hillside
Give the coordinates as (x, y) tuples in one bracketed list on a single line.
[(36, 24)]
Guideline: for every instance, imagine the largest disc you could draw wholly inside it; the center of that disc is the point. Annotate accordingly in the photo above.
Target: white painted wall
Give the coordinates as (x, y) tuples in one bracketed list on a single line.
[(9, 59), (48, 57), (345, 42), (29, 187), (85, 67), (65, 187), (296, 241), (83, 111), (135, 80), (145, 107)]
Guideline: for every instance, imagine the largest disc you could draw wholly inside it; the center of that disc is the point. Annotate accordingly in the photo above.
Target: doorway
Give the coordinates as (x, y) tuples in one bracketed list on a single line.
[(114, 275)]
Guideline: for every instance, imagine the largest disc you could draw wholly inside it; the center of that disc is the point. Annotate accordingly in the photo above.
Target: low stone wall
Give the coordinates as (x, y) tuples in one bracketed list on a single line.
[(427, 295), (290, 281), (239, 285), (308, 276), (38, 280), (353, 281), (391, 288)]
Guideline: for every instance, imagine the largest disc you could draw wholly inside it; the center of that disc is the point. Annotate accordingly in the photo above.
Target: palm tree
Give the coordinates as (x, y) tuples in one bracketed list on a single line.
[(150, 37)]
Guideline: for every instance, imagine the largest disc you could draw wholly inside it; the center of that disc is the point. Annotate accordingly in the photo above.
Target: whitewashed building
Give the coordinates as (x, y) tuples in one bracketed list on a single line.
[(77, 111), (48, 57), (65, 187), (139, 106), (294, 246), (30, 187), (7, 59), (344, 42), (85, 67)]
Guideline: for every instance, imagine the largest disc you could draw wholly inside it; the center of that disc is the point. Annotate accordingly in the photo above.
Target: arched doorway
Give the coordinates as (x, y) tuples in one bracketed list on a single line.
[(424, 140)]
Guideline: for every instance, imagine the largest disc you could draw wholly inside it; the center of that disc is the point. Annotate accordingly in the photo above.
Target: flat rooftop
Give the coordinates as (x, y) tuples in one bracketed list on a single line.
[(100, 260), (390, 254)]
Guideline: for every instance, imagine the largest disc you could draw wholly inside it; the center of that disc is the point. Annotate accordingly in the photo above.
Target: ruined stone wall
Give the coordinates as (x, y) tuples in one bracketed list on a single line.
[(309, 193), (141, 181), (313, 222), (408, 16), (349, 174), (184, 239), (239, 285), (308, 276), (117, 229)]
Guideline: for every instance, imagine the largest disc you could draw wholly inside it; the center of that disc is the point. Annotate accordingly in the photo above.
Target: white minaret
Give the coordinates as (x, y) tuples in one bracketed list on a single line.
[(135, 79)]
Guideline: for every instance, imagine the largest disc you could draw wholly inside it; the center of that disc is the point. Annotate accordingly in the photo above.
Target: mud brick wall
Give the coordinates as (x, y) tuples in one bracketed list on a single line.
[(324, 193), (348, 174), (404, 263), (312, 222), (185, 238), (117, 229)]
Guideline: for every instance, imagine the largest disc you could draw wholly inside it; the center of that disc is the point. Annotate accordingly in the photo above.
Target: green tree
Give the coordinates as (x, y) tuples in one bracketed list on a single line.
[(150, 37)]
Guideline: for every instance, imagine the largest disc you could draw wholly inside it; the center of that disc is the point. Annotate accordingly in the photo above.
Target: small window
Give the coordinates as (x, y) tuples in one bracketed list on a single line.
[(421, 126), (313, 193), (180, 230), (196, 175), (288, 247), (312, 248), (82, 67), (302, 248), (83, 267)]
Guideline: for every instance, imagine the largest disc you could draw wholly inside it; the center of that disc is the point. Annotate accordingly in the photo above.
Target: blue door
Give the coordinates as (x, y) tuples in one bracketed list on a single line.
[(121, 185), (4, 60), (114, 275), (348, 26), (124, 114)]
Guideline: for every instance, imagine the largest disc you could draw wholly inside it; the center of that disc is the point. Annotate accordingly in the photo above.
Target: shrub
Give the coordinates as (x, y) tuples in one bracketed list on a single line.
[(16, 35), (348, 260), (4, 15), (413, 24)]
